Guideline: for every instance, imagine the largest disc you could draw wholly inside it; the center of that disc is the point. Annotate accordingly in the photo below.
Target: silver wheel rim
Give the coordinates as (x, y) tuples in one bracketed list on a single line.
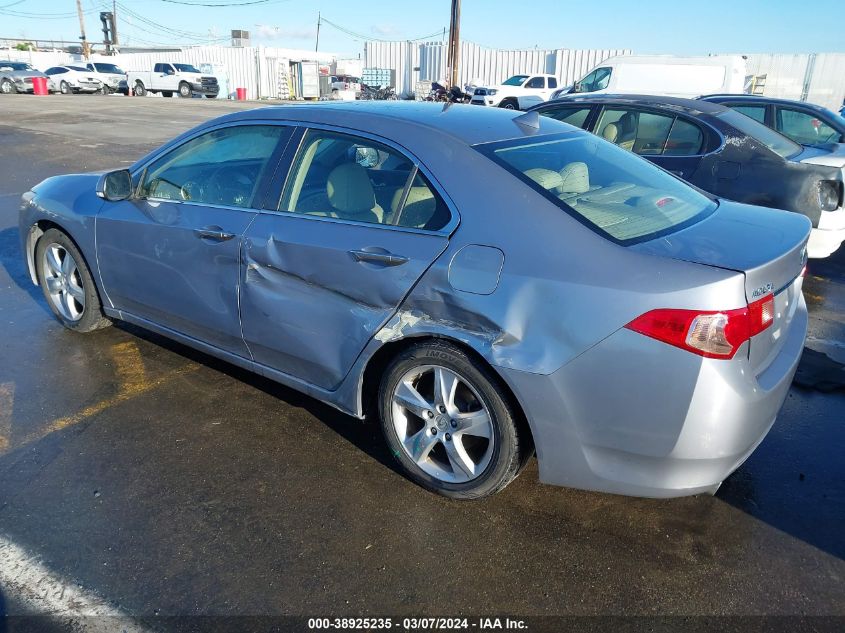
[(442, 423), (184, 90), (6, 87), (64, 282)]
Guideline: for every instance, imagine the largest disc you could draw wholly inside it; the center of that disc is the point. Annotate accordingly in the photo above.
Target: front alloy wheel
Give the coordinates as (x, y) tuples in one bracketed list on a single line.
[(64, 282)]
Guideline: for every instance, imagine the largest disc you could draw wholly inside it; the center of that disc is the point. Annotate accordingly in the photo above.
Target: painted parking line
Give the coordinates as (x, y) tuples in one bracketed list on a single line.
[(40, 591)]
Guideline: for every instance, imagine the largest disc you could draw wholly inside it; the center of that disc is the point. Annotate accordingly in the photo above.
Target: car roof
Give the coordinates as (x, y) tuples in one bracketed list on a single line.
[(401, 121), (763, 99), (689, 106)]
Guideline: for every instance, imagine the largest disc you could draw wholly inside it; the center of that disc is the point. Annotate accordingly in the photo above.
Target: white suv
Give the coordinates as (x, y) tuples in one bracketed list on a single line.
[(517, 93)]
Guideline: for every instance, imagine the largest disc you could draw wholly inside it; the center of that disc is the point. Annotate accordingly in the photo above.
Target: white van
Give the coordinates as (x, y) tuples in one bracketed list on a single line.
[(665, 75)]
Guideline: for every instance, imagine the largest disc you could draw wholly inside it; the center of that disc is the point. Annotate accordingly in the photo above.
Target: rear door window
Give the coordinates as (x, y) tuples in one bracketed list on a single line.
[(685, 139)]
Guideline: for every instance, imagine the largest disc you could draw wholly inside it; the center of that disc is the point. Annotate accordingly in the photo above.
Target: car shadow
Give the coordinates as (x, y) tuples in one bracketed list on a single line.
[(13, 261)]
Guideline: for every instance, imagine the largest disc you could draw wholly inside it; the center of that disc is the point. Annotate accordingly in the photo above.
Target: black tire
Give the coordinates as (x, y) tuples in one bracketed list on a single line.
[(7, 87), (211, 96), (185, 90), (65, 88), (508, 451), (140, 90), (92, 317), (166, 93), (509, 104)]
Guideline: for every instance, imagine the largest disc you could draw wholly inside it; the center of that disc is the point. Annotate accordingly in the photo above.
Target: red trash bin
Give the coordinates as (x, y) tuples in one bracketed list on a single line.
[(241, 94), (39, 86)]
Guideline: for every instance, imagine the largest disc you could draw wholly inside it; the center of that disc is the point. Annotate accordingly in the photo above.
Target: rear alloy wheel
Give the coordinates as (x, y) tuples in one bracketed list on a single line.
[(7, 87), (67, 283), (446, 422), (140, 90), (185, 90), (64, 88)]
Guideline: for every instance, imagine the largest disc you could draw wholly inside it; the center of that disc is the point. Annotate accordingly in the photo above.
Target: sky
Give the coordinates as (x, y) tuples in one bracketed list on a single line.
[(645, 26)]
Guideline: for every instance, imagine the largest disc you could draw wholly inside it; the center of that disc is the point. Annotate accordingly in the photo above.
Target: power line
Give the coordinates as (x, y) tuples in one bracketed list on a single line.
[(370, 37), (224, 4)]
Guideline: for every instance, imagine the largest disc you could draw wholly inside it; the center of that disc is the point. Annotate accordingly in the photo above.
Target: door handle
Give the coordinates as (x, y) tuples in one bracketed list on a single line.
[(213, 233), (388, 259)]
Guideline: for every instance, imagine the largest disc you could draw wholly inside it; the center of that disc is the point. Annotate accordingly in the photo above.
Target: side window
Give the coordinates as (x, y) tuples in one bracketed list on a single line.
[(596, 80), (573, 116), (357, 179), (685, 139), (803, 127), (552, 82), (158, 68), (536, 82), (221, 167), (758, 113), (640, 132)]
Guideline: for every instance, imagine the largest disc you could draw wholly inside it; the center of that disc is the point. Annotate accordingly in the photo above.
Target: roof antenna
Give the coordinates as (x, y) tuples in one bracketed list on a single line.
[(530, 120)]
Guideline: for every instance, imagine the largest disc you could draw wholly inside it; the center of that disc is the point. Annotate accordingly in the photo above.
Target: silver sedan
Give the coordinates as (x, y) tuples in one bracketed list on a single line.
[(485, 283)]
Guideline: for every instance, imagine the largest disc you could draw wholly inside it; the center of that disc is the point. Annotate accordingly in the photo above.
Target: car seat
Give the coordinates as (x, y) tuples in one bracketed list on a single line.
[(351, 194)]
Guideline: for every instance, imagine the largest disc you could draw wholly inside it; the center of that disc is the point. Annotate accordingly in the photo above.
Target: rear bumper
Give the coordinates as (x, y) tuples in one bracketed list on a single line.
[(634, 416)]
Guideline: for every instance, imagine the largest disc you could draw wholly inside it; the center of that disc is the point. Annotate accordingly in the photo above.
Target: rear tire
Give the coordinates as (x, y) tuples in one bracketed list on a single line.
[(459, 441), (140, 90), (67, 283)]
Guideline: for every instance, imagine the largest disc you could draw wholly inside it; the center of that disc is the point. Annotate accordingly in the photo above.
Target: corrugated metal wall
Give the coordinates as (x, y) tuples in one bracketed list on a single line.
[(819, 78), (485, 64)]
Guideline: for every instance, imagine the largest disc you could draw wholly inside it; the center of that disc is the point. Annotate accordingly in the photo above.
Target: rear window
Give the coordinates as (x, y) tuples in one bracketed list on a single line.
[(616, 193), (778, 143)]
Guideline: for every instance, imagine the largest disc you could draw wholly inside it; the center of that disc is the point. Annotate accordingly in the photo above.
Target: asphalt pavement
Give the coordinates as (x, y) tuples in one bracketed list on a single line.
[(171, 484)]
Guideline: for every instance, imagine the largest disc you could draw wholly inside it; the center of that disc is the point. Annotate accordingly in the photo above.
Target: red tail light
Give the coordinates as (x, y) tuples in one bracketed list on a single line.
[(709, 334)]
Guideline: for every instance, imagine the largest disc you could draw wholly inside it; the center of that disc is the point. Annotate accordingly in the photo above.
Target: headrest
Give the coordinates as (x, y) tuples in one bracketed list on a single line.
[(546, 178), (627, 123), (610, 132), (349, 189), (575, 178)]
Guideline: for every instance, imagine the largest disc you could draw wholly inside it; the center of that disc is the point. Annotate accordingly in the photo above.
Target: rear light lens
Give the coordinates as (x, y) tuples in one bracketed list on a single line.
[(708, 334)]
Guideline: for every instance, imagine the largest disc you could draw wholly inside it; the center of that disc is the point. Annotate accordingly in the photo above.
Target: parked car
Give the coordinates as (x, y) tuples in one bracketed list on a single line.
[(665, 75), (345, 82), (72, 79), (112, 76), (539, 288), (17, 76), (804, 123), (172, 78), (517, 92), (723, 152)]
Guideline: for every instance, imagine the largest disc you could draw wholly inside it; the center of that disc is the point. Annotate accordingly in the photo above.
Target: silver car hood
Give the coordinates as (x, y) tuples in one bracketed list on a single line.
[(830, 155)]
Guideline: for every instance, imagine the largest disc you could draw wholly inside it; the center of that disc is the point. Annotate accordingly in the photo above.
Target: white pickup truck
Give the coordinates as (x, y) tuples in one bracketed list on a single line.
[(169, 78), (520, 92)]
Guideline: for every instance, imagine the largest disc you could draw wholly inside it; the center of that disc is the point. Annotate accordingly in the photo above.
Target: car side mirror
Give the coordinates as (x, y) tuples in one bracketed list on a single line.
[(115, 185)]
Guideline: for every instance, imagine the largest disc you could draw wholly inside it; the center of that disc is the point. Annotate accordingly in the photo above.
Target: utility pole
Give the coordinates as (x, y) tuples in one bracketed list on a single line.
[(454, 54), (317, 45), (114, 23), (86, 49)]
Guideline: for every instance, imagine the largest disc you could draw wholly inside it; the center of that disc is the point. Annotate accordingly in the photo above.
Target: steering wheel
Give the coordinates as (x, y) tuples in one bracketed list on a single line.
[(230, 186)]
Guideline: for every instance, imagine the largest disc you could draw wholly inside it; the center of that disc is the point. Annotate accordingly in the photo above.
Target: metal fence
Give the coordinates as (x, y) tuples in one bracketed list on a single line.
[(426, 61)]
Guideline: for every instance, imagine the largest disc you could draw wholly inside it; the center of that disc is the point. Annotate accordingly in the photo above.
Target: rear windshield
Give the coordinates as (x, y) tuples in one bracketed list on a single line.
[(776, 142), (616, 193)]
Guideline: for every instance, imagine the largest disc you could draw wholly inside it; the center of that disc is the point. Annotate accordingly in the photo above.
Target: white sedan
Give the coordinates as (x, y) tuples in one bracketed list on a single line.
[(70, 79)]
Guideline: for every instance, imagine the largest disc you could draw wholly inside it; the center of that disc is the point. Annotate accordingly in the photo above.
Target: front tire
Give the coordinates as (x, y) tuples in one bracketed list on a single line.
[(64, 88), (185, 90), (447, 423), (67, 283), (509, 104), (7, 87)]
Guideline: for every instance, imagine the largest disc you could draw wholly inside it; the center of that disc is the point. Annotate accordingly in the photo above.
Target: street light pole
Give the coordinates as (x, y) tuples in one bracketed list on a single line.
[(317, 45), (454, 52)]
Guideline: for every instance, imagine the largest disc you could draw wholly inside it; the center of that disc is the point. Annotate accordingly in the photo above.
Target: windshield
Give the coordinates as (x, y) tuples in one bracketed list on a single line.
[(616, 193), (516, 80), (185, 68), (778, 143), (16, 65), (109, 68)]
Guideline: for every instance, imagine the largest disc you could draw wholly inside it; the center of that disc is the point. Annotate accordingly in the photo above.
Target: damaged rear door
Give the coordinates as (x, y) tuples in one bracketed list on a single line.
[(357, 225)]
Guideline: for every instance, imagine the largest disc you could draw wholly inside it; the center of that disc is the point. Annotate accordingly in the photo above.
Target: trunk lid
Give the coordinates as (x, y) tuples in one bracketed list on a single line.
[(767, 245)]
